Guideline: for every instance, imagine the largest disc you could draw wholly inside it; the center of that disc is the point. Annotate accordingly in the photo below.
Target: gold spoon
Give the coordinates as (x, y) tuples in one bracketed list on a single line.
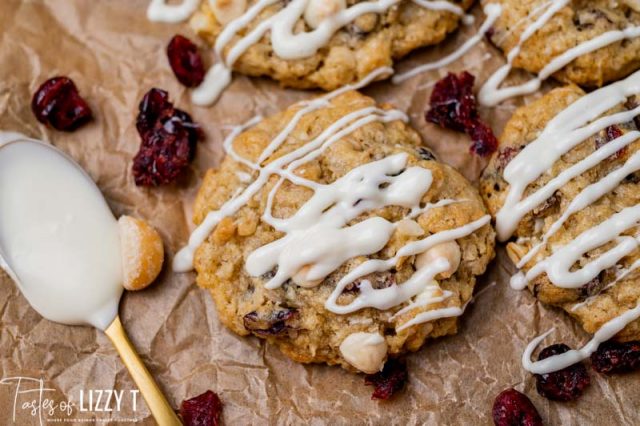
[(55, 224)]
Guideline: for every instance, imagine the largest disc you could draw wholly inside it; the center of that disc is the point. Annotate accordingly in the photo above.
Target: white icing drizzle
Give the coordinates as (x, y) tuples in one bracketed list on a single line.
[(493, 12), (160, 11), (558, 362), (491, 94), (579, 121), (467, 19)]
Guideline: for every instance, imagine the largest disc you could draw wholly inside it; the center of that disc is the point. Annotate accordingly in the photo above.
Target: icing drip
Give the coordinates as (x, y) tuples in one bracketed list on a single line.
[(491, 94), (493, 12), (558, 362), (579, 121)]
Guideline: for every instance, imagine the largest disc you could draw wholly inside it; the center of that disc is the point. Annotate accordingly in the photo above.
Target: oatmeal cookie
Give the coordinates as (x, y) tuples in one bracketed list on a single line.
[(610, 293), (578, 22), (294, 315), (369, 42)]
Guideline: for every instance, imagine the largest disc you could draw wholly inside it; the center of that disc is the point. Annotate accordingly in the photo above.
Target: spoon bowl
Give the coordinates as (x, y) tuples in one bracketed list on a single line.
[(59, 242)]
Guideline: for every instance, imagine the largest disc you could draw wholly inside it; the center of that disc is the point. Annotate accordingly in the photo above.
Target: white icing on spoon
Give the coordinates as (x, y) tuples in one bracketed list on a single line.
[(58, 236)]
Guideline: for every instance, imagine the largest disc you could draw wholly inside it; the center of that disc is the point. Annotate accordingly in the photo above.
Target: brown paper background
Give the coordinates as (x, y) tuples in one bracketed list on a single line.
[(114, 55)]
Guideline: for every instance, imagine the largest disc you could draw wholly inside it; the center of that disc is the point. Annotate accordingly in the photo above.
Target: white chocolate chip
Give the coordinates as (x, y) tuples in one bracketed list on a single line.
[(300, 278), (431, 292), (365, 351), (449, 250), (410, 228), (228, 10), (319, 10)]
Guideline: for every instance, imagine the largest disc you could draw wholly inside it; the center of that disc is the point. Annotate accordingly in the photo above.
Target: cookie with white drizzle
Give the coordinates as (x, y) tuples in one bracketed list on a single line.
[(367, 248), (587, 185), (365, 42), (556, 27)]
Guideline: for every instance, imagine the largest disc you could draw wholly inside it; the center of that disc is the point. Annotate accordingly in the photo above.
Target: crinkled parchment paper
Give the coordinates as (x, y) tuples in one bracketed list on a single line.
[(114, 55)]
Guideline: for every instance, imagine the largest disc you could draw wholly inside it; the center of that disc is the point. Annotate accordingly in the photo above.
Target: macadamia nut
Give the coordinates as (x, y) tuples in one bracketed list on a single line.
[(142, 252), (365, 351), (300, 278), (449, 250), (410, 228)]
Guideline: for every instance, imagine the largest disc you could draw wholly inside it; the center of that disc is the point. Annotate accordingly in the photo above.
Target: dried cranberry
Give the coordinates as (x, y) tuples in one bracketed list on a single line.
[(611, 133), (512, 408), (484, 142), (169, 138), (202, 410), (614, 357), (452, 102), (185, 61), (566, 384), (506, 154), (389, 381), (453, 106), (58, 104), (273, 324)]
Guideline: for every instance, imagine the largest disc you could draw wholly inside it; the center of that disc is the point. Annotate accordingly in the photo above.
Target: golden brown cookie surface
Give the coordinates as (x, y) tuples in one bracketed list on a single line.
[(293, 316)]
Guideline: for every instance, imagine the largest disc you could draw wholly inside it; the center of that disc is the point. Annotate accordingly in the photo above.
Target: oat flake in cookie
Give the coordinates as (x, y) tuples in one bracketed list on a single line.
[(563, 188), (330, 233)]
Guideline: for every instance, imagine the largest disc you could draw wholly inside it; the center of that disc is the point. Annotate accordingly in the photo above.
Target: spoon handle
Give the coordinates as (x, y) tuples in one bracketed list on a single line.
[(157, 403)]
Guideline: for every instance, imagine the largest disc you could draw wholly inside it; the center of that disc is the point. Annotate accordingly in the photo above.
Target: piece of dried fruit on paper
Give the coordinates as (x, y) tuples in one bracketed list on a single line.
[(169, 139), (58, 103), (202, 410)]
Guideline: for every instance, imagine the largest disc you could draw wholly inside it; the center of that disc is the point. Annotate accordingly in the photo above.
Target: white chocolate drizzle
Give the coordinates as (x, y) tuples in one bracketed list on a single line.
[(558, 362), (160, 11), (321, 236), (491, 94), (575, 124)]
